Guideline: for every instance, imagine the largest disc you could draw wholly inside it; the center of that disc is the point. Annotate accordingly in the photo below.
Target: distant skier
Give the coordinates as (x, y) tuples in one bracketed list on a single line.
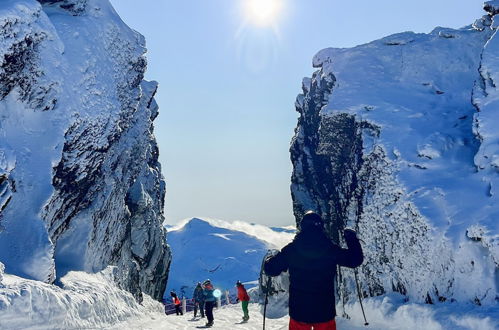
[(198, 300), (243, 297), (177, 303), (209, 301), (311, 259)]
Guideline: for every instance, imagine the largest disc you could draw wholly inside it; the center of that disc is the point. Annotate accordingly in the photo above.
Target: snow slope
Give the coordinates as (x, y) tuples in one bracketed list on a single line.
[(398, 138), (384, 313), (80, 183), (93, 301), (222, 251)]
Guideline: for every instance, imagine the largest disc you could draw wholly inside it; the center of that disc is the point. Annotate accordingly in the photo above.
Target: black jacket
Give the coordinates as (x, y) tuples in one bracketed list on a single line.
[(311, 259)]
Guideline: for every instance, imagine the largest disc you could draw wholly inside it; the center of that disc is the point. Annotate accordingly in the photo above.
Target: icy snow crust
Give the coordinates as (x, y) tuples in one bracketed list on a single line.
[(80, 184), (414, 117), (219, 250)]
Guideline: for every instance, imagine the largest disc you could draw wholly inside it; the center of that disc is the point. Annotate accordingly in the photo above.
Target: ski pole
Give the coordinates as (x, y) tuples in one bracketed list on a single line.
[(266, 301), (342, 294), (360, 298)]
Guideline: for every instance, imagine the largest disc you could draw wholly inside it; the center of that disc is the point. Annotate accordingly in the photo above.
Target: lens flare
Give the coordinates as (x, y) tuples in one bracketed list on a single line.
[(263, 12), (217, 293)]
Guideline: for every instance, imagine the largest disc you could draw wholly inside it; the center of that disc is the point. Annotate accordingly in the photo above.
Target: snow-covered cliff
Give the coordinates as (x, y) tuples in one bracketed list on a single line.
[(80, 183), (398, 138)]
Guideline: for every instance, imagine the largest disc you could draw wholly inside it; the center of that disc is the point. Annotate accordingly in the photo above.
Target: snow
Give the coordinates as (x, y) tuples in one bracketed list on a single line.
[(92, 301), (76, 127), (426, 105), (486, 99), (73, 102), (492, 6), (226, 317), (391, 312), (84, 301), (219, 250), (261, 232), (27, 155), (383, 313)]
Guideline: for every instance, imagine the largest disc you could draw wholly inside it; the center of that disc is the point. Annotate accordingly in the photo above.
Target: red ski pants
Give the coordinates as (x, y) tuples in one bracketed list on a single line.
[(295, 325)]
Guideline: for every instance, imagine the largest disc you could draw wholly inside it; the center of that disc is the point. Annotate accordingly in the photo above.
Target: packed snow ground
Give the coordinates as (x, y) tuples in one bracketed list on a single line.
[(92, 301), (382, 312)]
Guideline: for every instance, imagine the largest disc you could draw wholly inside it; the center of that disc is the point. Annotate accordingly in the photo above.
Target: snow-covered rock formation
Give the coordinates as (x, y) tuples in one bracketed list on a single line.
[(80, 183), (84, 301), (398, 138)]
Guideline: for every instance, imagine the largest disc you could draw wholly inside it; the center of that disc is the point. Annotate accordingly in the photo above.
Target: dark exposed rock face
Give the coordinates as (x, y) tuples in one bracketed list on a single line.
[(76, 7), (80, 184), (20, 61), (385, 140), (492, 7), (5, 194), (329, 166)]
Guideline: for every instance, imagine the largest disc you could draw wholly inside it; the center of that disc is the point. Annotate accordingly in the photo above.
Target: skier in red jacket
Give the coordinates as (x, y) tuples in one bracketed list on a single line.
[(242, 296)]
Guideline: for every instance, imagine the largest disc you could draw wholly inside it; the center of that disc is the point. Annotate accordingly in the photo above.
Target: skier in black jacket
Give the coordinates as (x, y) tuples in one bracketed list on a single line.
[(312, 259), (198, 300)]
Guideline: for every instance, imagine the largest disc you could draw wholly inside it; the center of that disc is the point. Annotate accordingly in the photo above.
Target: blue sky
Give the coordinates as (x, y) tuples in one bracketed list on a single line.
[(227, 90)]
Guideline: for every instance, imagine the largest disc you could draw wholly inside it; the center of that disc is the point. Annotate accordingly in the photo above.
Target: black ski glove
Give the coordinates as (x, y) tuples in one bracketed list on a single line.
[(349, 234)]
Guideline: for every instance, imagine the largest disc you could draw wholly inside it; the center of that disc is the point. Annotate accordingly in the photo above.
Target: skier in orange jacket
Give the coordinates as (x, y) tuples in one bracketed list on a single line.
[(177, 303)]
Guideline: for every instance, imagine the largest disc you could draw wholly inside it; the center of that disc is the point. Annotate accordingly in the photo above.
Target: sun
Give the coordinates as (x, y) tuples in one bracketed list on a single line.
[(263, 12)]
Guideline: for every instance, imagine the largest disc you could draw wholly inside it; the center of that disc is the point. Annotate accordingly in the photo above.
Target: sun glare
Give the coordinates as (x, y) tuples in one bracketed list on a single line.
[(263, 12)]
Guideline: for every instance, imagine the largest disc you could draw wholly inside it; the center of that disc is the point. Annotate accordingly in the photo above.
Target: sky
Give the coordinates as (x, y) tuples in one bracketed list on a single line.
[(229, 74)]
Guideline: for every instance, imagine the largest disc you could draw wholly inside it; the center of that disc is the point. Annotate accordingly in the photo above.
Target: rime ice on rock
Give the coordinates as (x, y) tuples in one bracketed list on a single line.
[(76, 7), (80, 183), (388, 142), (492, 7)]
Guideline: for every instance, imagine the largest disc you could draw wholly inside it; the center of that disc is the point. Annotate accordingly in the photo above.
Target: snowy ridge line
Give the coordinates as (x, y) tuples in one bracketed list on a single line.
[(261, 232), (220, 251)]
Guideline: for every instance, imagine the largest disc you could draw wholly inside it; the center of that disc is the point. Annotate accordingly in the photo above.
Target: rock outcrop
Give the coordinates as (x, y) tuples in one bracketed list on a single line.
[(80, 182), (398, 139)]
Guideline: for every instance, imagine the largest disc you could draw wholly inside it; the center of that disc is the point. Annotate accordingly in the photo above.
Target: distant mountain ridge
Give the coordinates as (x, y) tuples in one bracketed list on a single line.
[(222, 251)]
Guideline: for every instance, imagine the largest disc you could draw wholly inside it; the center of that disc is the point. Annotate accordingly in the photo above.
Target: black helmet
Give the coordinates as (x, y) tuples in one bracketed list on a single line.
[(311, 220), (238, 283)]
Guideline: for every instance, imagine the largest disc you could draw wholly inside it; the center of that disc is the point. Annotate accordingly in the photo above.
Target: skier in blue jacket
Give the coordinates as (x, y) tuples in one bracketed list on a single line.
[(209, 301)]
